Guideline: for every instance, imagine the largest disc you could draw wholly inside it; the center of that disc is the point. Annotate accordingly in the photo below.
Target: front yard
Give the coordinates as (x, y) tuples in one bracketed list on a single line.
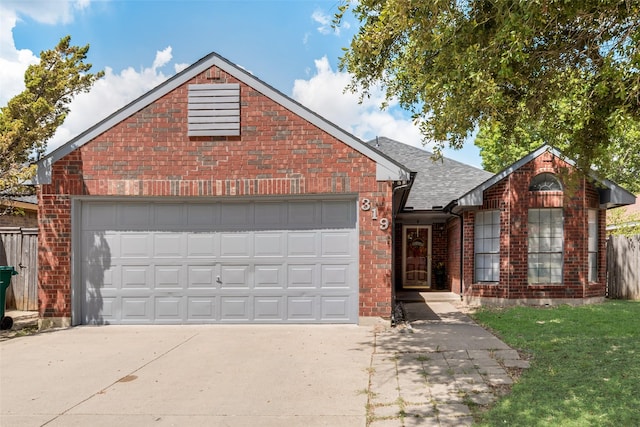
[(585, 365)]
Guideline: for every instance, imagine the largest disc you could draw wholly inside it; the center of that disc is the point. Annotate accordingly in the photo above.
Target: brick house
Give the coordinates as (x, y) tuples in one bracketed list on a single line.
[(528, 236), (215, 198)]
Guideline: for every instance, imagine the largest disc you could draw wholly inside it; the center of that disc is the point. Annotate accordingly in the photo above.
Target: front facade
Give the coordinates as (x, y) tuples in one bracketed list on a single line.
[(214, 198), (531, 234)]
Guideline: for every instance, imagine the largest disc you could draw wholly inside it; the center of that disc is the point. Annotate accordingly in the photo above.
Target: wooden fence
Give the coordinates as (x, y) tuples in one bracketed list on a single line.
[(19, 248), (623, 267)]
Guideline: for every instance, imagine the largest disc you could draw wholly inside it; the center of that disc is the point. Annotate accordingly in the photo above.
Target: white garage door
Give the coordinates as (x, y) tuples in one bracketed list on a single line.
[(235, 262)]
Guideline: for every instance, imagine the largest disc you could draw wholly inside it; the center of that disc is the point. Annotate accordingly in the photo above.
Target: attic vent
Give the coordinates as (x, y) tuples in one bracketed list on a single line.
[(214, 109)]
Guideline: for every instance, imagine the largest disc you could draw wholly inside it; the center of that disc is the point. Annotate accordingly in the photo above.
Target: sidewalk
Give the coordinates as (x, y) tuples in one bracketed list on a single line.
[(431, 370)]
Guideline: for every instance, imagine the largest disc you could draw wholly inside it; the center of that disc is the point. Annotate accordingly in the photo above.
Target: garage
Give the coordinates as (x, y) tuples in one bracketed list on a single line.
[(224, 261)]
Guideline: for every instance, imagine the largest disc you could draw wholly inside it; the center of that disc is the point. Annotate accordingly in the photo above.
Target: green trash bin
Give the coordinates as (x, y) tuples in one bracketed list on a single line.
[(6, 272)]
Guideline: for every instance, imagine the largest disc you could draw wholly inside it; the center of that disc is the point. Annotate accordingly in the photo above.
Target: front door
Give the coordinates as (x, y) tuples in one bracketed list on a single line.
[(416, 256)]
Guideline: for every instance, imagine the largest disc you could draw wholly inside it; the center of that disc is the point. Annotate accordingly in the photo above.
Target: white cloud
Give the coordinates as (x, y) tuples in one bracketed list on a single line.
[(324, 94), (47, 11), (109, 94), (325, 22), (162, 58)]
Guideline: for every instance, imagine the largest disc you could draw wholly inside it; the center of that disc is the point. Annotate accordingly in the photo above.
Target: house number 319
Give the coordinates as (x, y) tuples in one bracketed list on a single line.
[(366, 206)]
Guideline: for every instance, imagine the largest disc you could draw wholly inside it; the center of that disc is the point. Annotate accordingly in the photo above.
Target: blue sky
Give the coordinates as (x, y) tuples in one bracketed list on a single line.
[(289, 44)]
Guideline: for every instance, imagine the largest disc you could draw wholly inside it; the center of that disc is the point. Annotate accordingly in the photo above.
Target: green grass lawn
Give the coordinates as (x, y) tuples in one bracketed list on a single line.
[(585, 365)]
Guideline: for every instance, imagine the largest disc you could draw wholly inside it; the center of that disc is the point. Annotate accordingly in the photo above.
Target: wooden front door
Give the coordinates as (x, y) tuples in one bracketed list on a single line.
[(416, 256)]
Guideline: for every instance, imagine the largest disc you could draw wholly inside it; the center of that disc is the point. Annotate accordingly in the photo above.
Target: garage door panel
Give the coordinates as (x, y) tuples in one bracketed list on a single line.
[(335, 308), (269, 244), (269, 277), (169, 216), (302, 276), (236, 214), (202, 277), (302, 244), (168, 245), (134, 216), (100, 216), (336, 277), (249, 261), (136, 277), (135, 245), (168, 277), (138, 309), (202, 309), (234, 276), (234, 308), (97, 278), (169, 308), (338, 214), (301, 308), (99, 248), (336, 244), (202, 216), (269, 308), (234, 245), (270, 216), (202, 245), (302, 215)]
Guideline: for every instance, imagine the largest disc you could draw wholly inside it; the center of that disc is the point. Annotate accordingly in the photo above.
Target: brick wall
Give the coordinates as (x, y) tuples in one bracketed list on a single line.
[(453, 255), (512, 198), (149, 154)]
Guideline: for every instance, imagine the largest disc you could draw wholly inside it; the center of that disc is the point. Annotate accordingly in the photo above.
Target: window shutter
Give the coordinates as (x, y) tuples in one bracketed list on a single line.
[(214, 109)]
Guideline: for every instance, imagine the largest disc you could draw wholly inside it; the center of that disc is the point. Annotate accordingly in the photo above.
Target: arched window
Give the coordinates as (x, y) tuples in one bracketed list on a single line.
[(545, 182)]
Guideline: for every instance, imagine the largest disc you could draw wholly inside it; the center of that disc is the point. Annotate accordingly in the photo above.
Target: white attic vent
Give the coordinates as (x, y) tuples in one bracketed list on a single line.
[(214, 109)]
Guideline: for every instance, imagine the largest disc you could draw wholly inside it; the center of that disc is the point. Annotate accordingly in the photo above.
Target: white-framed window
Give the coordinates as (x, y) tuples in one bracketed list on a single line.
[(545, 182), (593, 245), (546, 240), (486, 246)]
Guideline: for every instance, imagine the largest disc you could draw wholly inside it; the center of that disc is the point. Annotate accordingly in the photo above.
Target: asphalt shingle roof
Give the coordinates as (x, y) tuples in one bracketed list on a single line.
[(437, 183)]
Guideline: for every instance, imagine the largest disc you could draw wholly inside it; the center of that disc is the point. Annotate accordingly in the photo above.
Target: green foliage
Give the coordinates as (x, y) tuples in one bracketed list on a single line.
[(584, 369), (31, 118), (570, 70), (623, 223), (622, 165)]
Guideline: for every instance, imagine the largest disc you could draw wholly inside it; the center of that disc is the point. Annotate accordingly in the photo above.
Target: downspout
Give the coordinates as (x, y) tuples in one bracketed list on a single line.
[(450, 210), (394, 214)]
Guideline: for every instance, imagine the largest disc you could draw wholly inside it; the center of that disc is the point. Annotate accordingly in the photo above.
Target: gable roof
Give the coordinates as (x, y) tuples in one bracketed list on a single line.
[(437, 182), (387, 168), (611, 194)]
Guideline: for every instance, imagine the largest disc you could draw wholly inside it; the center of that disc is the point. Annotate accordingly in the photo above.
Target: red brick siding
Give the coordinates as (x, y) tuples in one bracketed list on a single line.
[(453, 255), (513, 198), (149, 154), (439, 252)]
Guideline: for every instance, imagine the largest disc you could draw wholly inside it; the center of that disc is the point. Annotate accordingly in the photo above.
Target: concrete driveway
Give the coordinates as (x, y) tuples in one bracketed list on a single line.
[(187, 375)]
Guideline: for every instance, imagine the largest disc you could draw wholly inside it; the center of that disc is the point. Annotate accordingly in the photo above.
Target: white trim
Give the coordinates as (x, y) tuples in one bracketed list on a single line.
[(611, 196)]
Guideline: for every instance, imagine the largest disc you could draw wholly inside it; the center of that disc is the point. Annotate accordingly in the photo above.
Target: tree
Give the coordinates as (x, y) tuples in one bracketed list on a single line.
[(31, 118), (567, 68), (622, 167)]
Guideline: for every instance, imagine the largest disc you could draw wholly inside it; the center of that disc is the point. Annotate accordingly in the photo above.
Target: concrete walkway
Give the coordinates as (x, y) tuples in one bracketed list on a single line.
[(427, 371), (430, 370)]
